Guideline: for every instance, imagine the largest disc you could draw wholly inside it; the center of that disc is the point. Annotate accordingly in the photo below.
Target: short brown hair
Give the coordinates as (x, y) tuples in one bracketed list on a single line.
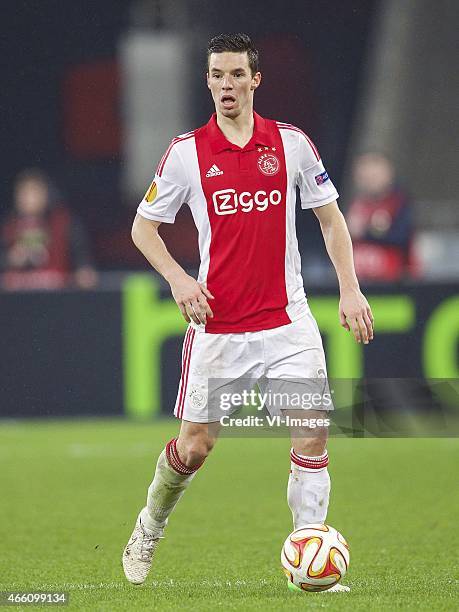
[(234, 43)]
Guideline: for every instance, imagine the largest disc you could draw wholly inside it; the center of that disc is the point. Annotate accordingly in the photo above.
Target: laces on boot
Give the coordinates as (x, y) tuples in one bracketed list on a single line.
[(148, 544)]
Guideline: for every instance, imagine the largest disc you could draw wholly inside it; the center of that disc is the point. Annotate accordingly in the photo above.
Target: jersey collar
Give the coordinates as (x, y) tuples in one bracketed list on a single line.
[(219, 143)]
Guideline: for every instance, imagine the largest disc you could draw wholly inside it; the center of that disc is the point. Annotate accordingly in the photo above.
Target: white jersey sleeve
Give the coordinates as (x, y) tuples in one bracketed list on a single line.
[(168, 191), (316, 187)]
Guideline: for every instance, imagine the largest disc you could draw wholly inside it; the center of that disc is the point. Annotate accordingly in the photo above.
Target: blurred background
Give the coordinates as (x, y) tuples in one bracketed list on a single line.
[(92, 94)]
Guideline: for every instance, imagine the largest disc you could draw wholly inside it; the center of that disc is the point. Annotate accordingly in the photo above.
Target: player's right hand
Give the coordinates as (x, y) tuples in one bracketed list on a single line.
[(191, 297)]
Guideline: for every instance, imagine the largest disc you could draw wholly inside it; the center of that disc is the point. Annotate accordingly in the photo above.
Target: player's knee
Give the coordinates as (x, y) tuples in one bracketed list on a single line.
[(311, 445), (195, 455), (196, 450)]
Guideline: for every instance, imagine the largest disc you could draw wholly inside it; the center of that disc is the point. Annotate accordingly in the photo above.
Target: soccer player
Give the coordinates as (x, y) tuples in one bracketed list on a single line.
[(247, 312)]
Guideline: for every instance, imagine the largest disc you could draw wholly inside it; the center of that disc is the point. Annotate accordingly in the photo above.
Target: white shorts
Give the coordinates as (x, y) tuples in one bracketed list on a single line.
[(289, 352)]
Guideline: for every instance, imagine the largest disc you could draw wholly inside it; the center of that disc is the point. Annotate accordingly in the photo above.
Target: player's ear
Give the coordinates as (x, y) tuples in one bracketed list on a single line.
[(256, 80), (207, 80)]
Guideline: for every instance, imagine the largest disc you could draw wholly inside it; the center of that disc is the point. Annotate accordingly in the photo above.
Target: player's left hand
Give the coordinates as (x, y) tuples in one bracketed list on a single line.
[(355, 313)]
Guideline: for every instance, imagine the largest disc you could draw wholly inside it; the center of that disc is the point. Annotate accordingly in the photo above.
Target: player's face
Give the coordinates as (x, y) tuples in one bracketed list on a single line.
[(231, 83)]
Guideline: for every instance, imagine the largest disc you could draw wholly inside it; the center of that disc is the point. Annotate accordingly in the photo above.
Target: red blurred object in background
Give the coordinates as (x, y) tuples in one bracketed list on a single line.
[(91, 110)]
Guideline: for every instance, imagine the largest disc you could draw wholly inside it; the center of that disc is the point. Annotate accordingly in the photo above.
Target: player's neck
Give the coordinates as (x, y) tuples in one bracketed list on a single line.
[(238, 130)]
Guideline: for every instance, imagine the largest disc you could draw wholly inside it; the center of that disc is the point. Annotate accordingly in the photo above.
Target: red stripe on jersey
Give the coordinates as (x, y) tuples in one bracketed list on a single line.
[(246, 206), (169, 149), (287, 126), (164, 157), (185, 370)]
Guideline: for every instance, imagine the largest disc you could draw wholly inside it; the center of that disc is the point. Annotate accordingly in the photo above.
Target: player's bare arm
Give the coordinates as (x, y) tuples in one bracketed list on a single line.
[(190, 296), (354, 310)]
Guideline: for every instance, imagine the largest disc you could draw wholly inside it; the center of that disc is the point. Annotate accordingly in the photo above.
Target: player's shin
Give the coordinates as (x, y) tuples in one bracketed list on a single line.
[(308, 489), (171, 479)]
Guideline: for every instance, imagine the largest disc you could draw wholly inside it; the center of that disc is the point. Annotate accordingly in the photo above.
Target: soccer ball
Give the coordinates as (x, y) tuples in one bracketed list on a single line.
[(315, 557)]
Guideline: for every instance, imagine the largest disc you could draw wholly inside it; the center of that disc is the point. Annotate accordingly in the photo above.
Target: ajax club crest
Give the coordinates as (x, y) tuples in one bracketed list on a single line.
[(268, 164)]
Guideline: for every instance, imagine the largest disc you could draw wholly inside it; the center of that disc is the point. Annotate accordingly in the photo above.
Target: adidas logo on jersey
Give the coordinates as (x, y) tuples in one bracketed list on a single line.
[(214, 171)]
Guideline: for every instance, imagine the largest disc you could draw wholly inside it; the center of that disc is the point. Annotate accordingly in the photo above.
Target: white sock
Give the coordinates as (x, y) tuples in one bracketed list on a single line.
[(171, 479), (308, 489)]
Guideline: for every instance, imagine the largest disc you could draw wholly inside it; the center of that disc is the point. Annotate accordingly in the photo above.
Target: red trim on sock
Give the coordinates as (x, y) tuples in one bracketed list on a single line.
[(305, 457), (311, 463), (174, 459)]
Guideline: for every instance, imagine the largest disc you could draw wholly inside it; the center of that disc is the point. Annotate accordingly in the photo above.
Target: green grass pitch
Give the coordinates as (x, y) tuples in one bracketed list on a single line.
[(70, 493)]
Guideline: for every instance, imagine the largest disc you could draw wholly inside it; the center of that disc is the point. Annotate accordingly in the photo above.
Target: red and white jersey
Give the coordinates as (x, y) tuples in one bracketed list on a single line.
[(243, 204)]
